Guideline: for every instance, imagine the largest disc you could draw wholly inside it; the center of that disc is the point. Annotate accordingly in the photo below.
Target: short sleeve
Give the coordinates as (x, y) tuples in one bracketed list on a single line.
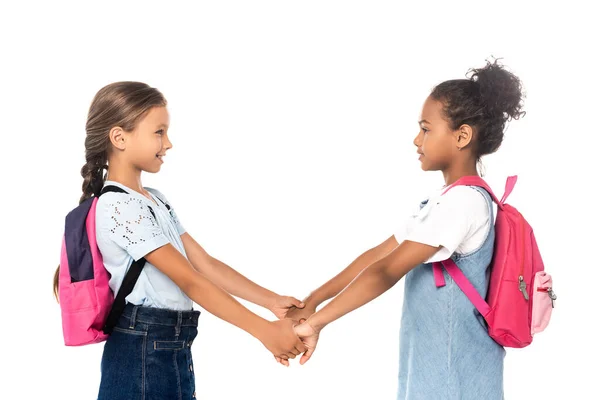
[(180, 228), (450, 221), (174, 217), (131, 225)]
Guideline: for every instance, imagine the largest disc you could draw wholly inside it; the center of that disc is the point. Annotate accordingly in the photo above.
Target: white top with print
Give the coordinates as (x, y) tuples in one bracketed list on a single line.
[(126, 231)]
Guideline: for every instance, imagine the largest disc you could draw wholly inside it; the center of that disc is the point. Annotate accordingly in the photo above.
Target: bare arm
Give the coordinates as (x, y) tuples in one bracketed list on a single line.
[(233, 282), (336, 284), (374, 281), (368, 285), (278, 336)]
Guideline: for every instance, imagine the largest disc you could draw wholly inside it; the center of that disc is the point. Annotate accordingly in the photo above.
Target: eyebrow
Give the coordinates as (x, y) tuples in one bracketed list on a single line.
[(163, 126), (424, 120)]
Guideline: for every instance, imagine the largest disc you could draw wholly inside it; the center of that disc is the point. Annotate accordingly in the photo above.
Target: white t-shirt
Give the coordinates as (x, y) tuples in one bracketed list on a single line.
[(458, 221)]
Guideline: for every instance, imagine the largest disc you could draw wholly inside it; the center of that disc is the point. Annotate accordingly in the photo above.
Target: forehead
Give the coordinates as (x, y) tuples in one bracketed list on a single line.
[(432, 111), (157, 116)]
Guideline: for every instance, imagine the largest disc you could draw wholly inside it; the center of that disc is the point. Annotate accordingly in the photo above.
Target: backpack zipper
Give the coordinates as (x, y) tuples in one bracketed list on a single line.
[(523, 287), (522, 284), (552, 296), (550, 293)]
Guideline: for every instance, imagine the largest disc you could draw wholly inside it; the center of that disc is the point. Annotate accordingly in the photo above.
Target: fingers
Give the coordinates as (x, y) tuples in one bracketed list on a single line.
[(306, 356), (297, 303), (302, 320), (300, 346), (287, 356), (281, 361), (303, 330)]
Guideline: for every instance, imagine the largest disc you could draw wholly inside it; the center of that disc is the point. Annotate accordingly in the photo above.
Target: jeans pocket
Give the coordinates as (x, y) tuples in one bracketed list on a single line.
[(169, 345)]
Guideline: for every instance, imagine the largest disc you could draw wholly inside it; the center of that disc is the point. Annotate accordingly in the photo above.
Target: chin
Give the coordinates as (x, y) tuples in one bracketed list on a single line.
[(152, 169)]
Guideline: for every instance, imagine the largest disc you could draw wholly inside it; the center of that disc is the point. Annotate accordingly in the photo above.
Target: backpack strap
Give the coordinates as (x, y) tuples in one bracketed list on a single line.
[(477, 181), (116, 189), (129, 280), (450, 266), (162, 201), (462, 282)]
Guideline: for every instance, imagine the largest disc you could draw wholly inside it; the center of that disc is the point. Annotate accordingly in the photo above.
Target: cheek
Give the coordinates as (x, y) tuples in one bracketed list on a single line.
[(435, 147), (429, 144)]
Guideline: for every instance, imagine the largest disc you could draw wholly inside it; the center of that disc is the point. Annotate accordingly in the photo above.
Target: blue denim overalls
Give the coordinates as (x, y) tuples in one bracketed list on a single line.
[(445, 350)]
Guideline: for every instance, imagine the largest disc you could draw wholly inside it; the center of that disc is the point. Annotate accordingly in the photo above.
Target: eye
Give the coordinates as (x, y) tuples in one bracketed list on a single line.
[(160, 131), (425, 130)]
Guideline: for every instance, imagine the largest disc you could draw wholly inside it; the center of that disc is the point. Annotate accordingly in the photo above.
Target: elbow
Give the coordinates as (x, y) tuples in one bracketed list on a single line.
[(389, 275), (188, 286)]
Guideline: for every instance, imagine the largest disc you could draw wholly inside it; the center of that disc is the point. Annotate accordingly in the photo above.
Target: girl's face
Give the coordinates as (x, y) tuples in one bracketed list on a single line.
[(436, 141), (149, 141)]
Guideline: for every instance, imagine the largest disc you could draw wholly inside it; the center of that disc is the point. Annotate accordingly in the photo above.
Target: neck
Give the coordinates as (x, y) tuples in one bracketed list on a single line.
[(126, 175), (458, 170)]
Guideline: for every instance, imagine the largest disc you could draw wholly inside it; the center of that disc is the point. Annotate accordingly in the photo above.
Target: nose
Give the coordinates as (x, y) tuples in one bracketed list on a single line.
[(167, 142), (418, 139)]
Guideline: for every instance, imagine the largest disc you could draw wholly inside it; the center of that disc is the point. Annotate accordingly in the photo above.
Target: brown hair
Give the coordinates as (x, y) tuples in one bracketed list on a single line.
[(120, 104)]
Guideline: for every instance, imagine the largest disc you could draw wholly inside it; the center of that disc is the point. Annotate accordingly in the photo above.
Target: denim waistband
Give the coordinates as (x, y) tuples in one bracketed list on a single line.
[(160, 316)]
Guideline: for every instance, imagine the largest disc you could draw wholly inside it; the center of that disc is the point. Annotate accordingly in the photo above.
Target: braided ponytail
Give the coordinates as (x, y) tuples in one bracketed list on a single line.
[(93, 176)]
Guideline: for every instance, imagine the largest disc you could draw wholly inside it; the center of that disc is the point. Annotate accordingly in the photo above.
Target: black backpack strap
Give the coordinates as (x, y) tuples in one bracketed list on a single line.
[(126, 288), (116, 189), (162, 201), (112, 188), (129, 280)]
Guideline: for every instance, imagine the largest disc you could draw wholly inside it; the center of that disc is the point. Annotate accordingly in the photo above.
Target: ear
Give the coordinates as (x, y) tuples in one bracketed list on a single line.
[(117, 137), (464, 136)]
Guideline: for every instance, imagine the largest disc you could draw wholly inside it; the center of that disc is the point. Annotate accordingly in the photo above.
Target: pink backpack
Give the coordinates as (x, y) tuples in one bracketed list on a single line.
[(88, 308), (520, 298)]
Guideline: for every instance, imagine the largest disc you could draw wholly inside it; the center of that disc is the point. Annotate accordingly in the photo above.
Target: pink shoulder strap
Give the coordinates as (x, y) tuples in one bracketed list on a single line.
[(462, 282), (477, 181), (450, 266)]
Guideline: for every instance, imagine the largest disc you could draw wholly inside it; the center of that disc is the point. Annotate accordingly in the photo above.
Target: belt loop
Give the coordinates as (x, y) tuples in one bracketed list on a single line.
[(178, 326), (132, 319)]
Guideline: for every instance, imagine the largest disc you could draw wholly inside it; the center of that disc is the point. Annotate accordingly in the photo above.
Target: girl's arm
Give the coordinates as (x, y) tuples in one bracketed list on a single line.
[(335, 285), (278, 337), (368, 285), (235, 283)]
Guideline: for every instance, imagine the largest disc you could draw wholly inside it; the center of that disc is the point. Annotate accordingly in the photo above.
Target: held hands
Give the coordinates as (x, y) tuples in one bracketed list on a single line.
[(281, 305), (292, 335), (281, 340), (301, 314), (305, 331), (309, 336)]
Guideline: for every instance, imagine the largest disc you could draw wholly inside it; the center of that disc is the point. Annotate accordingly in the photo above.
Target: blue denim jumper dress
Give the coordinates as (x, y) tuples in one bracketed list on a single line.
[(445, 350)]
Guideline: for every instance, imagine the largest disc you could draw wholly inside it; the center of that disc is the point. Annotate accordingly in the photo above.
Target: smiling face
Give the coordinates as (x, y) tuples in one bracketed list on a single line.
[(145, 146)]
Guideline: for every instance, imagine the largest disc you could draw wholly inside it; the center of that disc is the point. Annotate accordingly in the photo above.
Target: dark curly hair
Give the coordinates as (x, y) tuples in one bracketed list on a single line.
[(487, 100)]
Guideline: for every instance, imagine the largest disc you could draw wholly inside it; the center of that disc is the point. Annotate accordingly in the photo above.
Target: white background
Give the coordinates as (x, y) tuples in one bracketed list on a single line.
[(292, 125)]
